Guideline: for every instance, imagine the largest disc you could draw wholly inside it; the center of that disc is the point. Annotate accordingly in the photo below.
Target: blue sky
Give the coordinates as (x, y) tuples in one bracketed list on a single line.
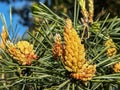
[(5, 10)]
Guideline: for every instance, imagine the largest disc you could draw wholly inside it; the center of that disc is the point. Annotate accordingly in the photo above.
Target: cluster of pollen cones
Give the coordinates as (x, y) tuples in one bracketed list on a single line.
[(73, 54)]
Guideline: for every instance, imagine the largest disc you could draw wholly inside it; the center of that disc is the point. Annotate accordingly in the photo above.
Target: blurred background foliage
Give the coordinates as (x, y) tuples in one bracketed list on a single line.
[(102, 8)]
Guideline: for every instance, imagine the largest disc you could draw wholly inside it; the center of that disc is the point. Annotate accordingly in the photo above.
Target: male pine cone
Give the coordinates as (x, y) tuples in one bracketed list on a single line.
[(4, 38), (111, 51), (74, 55), (57, 49)]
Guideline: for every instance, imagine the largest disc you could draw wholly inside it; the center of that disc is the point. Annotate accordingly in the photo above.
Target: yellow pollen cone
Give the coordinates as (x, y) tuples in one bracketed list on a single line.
[(57, 49), (4, 38), (74, 55), (22, 52)]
